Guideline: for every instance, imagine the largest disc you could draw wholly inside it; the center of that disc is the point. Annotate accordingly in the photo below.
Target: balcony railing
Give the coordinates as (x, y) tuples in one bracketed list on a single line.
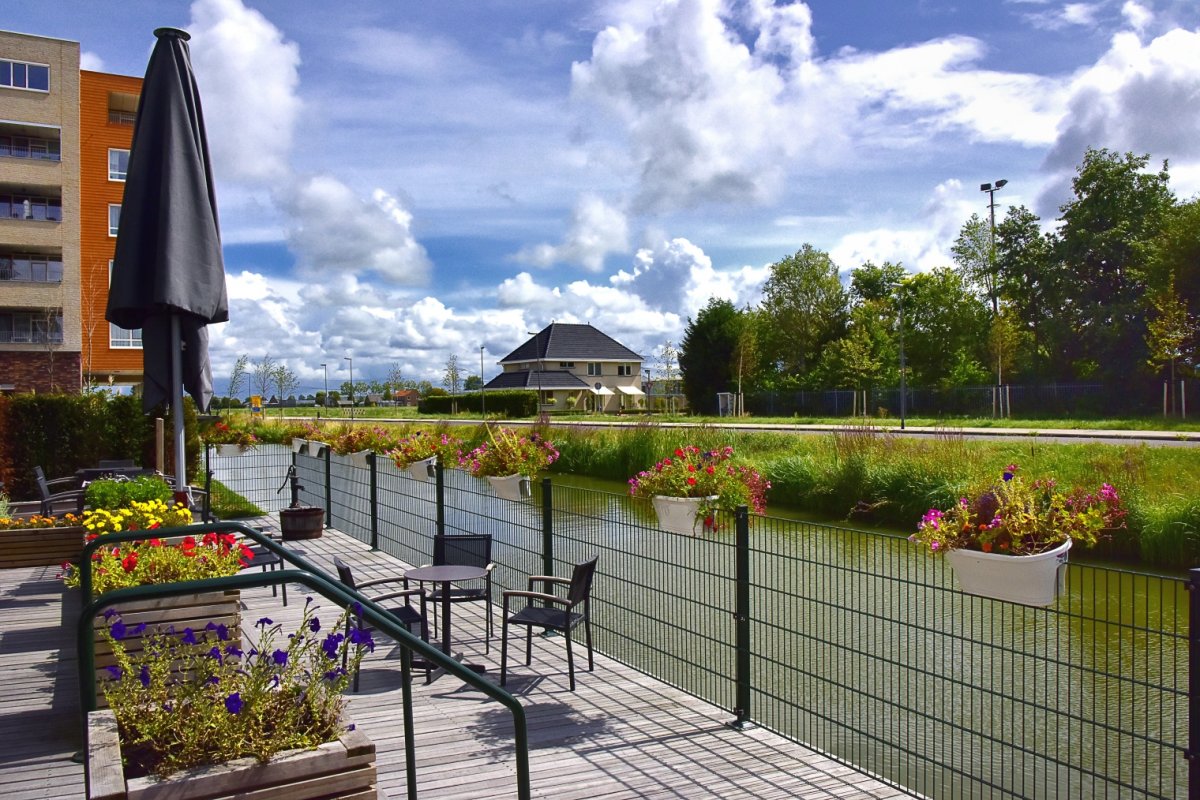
[(33, 337)]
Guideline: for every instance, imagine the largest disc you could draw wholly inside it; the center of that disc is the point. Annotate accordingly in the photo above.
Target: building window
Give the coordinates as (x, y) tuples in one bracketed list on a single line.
[(118, 164), (18, 206), (114, 218), (566, 365), (30, 267), (625, 370), (29, 147), (122, 339), (23, 327), (24, 75), (118, 117), (594, 368)]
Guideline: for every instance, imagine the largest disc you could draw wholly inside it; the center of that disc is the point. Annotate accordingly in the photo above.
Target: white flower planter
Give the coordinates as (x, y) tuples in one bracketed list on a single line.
[(1035, 580), (315, 448), (680, 514), (423, 470), (361, 459), (299, 445), (230, 450), (511, 487)]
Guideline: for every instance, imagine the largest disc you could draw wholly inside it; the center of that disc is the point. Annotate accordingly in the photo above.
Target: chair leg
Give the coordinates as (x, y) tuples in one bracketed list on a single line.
[(570, 659), (587, 629), (528, 645), (488, 630), (503, 654)]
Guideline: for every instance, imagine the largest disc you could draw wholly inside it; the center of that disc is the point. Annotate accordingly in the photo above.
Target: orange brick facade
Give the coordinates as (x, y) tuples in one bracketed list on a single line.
[(98, 133)]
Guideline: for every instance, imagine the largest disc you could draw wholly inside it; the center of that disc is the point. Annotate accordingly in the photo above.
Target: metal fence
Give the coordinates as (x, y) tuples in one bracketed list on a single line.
[(851, 642)]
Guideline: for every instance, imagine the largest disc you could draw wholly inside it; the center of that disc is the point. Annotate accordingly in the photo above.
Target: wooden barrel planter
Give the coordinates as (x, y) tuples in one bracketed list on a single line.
[(301, 523), (39, 547), (344, 768)]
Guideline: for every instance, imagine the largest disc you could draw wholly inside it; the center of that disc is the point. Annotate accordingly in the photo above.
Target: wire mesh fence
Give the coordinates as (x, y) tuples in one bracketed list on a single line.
[(857, 643)]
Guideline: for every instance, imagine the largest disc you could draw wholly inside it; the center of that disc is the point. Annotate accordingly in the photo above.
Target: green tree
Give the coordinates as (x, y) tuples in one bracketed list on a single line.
[(473, 383), (285, 381), (944, 321), (1105, 244), (452, 377), (805, 308), (1175, 254), (237, 376), (706, 352), (1170, 334), (974, 256), (1031, 284), (263, 376)]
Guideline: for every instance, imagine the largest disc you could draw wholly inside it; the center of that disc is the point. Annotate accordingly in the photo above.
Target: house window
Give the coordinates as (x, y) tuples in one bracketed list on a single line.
[(118, 164), (30, 267), (29, 147), (114, 218), (21, 327), (624, 370), (17, 206), (566, 365), (24, 75), (122, 338), (594, 368)]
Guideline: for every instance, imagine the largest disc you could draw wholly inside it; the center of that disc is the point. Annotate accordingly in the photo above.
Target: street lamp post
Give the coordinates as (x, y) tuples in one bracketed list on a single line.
[(991, 190), (537, 345), (899, 287), (326, 368), (351, 360), (482, 392)]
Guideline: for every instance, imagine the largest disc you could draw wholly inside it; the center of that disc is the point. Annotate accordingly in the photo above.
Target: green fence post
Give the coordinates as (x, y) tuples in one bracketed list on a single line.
[(547, 528), (441, 498), (328, 490), (1192, 753), (741, 616), (371, 461)]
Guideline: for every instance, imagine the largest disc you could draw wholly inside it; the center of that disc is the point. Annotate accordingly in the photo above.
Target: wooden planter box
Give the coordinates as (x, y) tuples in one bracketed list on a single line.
[(193, 611), (39, 547), (344, 769)]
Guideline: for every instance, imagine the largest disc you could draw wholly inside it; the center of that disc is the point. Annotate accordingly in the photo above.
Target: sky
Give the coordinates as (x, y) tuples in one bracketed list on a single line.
[(402, 182)]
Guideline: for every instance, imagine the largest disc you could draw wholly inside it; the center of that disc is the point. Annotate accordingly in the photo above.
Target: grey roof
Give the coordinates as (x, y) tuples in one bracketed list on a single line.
[(529, 379), (560, 341)]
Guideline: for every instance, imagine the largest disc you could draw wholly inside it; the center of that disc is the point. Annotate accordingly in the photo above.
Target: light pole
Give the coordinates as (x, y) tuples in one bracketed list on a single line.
[(326, 368), (482, 391), (991, 190), (537, 345), (899, 287), (351, 360)]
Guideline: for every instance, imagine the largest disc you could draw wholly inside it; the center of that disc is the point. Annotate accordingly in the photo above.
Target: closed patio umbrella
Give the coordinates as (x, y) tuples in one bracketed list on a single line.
[(168, 276)]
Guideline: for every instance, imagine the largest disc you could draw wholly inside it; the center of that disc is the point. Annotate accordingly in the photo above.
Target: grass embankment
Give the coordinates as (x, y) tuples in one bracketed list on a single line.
[(228, 504)]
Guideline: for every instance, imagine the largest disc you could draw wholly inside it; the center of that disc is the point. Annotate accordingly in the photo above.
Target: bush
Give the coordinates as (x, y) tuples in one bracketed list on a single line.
[(510, 404)]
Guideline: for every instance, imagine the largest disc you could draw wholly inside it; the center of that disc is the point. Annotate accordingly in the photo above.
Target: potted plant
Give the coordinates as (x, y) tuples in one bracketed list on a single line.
[(418, 453), (509, 460), (39, 541), (1009, 539), (193, 715), (359, 442), (229, 440), (690, 486)]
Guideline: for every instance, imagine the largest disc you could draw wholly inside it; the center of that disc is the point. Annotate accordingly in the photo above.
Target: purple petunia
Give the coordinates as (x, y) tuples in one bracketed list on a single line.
[(280, 657), (189, 636), (362, 638), (233, 703), (144, 676), (118, 630), (114, 672), (264, 622), (314, 625)]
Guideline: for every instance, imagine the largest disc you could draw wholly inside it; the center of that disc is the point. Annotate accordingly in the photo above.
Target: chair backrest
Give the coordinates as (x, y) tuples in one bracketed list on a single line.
[(468, 549), (117, 463), (43, 487), (581, 581), (345, 574)]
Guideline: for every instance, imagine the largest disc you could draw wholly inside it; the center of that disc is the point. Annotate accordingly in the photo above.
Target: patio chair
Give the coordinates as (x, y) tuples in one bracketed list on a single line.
[(471, 550), (559, 614), (56, 497), (417, 622)]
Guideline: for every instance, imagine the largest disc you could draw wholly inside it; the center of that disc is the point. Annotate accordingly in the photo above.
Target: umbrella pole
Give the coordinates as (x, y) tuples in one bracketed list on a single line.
[(181, 491)]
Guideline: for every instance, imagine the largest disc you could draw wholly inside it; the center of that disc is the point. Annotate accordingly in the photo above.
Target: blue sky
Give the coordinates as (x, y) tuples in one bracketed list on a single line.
[(404, 182)]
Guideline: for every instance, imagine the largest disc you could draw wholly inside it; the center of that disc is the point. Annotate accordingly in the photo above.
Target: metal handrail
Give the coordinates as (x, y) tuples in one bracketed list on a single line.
[(316, 579)]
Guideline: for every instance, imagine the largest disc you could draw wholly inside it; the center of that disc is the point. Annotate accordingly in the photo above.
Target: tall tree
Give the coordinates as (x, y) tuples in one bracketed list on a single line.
[(237, 376), (286, 382), (395, 377), (1031, 283), (706, 353), (666, 370), (1170, 333), (945, 322), (1107, 230), (975, 258), (263, 376), (452, 377), (805, 308)]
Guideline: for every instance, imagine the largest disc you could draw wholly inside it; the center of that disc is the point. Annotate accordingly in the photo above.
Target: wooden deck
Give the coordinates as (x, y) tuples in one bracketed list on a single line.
[(620, 735)]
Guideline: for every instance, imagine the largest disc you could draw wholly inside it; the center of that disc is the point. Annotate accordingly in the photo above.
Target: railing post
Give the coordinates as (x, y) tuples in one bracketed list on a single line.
[(328, 490), (441, 498), (741, 615), (547, 528), (371, 461), (1193, 745)]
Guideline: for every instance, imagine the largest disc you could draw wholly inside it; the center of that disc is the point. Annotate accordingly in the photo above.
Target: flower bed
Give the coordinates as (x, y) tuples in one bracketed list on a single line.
[(40, 541)]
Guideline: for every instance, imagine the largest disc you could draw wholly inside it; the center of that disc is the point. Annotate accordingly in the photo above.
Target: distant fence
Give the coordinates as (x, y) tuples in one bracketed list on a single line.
[(849, 641), (1134, 399)]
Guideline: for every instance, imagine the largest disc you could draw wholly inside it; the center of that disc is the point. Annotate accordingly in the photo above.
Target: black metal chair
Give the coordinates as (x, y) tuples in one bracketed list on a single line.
[(269, 560), (471, 550), (56, 497), (417, 622), (547, 610)]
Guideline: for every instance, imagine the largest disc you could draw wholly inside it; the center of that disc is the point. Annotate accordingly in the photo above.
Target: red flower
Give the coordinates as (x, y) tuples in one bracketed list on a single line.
[(691, 467), (129, 562), (691, 481), (709, 469), (679, 452), (986, 547)]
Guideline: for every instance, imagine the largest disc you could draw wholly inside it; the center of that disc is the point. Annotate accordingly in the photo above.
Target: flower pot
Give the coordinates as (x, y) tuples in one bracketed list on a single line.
[(299, 445), (39, 547), (1035, 580), (343, 768), (423, 470), (301, 523), (315, 448), (511, 487), (361, 459), (680, 514), (231, 450)]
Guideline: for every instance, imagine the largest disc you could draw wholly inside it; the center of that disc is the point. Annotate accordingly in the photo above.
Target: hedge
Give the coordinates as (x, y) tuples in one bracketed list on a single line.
[(508, 404)]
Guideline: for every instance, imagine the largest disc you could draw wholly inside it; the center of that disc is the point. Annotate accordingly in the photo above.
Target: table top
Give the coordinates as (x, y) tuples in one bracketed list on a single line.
[(445, 573)]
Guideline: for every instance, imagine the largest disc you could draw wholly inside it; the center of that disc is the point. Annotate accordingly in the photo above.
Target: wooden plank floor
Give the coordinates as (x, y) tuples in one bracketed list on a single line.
[(620, 735)]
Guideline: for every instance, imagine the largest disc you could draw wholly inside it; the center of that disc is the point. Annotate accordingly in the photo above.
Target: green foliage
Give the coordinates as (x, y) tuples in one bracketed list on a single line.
[(706, 353), (506, 404), (509, 452), (228, 504), (153, 562), (112, 494)]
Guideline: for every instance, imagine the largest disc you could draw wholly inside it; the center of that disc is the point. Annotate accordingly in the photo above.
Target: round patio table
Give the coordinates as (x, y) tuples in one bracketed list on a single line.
[(446, 575)]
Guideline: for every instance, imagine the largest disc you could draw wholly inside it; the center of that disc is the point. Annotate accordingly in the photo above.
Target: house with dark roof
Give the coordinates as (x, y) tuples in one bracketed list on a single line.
[(574, 367)]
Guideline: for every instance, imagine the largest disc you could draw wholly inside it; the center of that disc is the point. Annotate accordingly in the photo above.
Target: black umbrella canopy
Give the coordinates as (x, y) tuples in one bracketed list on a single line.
[(168, 260)]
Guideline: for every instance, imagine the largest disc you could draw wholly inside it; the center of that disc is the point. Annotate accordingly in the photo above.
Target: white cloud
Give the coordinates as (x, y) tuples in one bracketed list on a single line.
[(597, 229), (91, 61), (1137, 15), (248, 77), (1069, 15), (331, 228), (523, 292)]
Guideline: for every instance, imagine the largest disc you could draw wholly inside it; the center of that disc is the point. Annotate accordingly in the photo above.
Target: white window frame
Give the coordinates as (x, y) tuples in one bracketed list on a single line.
[(115, 173), (624, 370), (112, 229), (566, 365), (595, 369), (6, 74), (122, 338)]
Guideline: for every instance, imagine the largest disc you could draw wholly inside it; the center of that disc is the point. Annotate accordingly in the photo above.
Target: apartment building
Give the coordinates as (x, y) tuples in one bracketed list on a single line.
[(107, 109), (40, 325)]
